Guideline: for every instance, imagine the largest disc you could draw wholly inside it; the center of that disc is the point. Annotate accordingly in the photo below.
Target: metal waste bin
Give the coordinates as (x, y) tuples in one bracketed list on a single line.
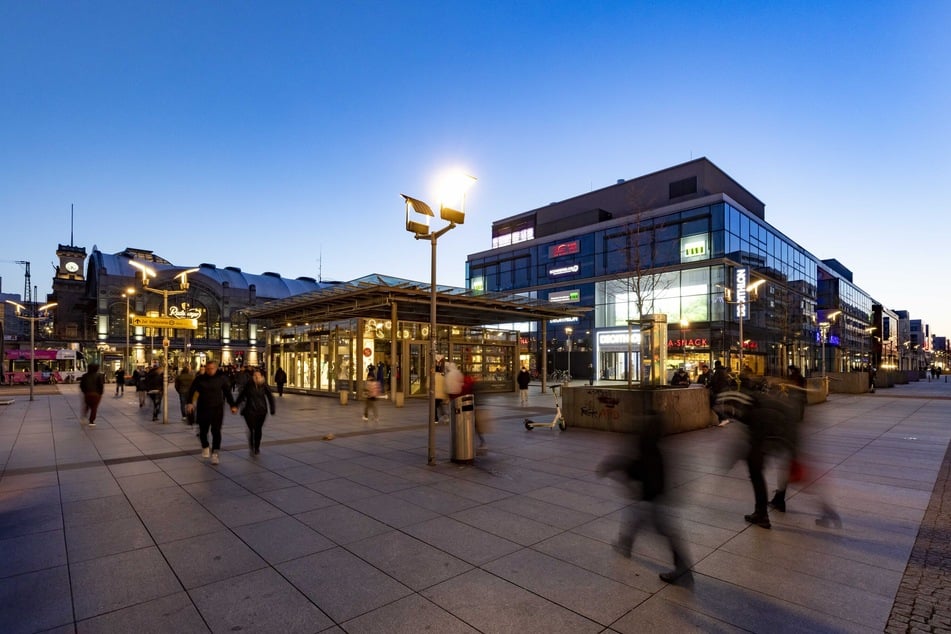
[(462, 427)]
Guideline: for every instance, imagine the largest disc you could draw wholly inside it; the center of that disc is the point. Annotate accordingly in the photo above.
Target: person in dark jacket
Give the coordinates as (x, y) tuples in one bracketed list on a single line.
[(183, 383), (155, 387), (523, 379), (120, 382), (92, 385), (207, 397), (258, 400), (138, 380), (642, 470), (280, 378)]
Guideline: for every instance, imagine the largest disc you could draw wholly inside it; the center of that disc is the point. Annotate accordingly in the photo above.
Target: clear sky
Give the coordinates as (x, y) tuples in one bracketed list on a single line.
[(277, 136)]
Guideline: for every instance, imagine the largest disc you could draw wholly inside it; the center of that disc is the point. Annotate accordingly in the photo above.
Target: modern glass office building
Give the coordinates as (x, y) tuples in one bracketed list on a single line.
[(690, 243)]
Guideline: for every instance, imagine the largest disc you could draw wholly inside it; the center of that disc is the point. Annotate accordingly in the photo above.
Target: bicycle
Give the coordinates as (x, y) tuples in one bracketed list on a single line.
[(559, 376)]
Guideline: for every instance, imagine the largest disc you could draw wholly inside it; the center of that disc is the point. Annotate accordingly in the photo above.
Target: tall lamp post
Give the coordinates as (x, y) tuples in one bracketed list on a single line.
[(183, 288), (129, 292), (568, 332), (421, 231), (743, 291), (33, 317)]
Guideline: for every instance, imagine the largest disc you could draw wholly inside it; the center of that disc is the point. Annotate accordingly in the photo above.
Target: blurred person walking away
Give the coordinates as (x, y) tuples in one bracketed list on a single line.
[(138, 379), (523, 379), (642, 469), (441, 395), (207, 397), (720, 382), (371, 391), (258, 400), (280, 378), (794, 391), (155, 387), (120, 382), (92, 385), (183, 383)]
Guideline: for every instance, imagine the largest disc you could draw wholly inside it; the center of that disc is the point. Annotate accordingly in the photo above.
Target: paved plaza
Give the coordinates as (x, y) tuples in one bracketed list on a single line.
[(340, 526)]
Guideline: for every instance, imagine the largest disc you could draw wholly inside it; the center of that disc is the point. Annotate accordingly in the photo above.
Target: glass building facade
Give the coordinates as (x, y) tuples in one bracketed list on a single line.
[(678, 243)]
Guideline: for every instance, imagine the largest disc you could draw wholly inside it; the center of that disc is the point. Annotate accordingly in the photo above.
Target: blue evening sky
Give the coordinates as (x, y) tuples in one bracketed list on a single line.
[(277, 136)]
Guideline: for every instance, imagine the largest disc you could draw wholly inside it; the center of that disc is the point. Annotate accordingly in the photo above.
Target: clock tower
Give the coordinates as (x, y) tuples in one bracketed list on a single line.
[(71, 260), (69, 290)]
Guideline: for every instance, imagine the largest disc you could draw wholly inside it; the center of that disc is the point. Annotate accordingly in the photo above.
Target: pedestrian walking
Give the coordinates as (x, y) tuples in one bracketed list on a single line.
[(371, 390), (258, 401), (155, 388), (441, 395), (92, 385), (120, 382), (280, 378), (183, 383), (138, 379), (206, 398), (523, 379), (642, 469)]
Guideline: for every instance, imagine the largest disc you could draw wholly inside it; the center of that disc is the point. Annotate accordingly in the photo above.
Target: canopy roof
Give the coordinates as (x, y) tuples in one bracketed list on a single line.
[(373, 296)]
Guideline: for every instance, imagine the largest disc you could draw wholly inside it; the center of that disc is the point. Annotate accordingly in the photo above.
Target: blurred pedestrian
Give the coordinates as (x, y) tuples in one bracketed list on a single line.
[(704, 377), (280, 378), (92, 385), (206, 398), (120, 382), (155, 387), (371, 390), (720, 382), (523, 379), (680, 378), (183, 383), (138, 379), (258, 400), (441, 395), (642, 469)]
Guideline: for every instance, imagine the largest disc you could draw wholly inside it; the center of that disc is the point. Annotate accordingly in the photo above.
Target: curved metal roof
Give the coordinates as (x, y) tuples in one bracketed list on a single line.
[(374, 295), (267, 286)]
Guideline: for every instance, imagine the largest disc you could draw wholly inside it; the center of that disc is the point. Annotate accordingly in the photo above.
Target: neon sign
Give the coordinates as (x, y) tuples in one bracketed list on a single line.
[(185, 312), (565, 297), (562, 270), (565, 248), (740, 279)]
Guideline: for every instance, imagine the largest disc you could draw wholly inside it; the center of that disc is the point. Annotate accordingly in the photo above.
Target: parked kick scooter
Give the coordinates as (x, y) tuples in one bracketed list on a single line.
[(559, 419)]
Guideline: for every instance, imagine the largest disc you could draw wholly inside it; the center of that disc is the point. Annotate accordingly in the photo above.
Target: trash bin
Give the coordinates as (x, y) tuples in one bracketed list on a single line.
[(462, 428)]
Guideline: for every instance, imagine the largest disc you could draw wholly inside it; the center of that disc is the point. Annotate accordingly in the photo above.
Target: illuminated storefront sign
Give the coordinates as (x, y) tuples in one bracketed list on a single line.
[(740, 278), (565, 248), (184, 312), (698, 342), (564, 270), (565, 297), (620, 337), (693, 248)]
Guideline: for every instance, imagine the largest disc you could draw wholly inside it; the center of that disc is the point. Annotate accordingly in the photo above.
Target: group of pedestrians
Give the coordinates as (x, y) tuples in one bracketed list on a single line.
[(202, 400)]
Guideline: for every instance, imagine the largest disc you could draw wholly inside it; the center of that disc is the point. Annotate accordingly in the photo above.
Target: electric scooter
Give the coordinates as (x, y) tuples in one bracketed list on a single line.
[(559, 418)]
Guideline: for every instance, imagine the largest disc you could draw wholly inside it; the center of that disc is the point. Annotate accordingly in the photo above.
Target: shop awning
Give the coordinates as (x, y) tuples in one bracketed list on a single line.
[(373, 296)]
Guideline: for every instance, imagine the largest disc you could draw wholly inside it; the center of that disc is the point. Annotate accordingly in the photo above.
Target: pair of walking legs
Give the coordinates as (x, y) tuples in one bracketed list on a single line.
[(255, 431), (214, 425)]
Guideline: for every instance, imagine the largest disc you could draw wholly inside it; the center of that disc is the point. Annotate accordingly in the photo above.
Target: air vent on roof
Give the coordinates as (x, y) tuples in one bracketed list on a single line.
[(233, 268), (271, 274), (205, 265), (620, 180), (306, 279)]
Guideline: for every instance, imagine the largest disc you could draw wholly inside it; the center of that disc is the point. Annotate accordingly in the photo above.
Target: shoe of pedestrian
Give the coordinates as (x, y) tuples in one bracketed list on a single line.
[(623, 548), (214, 458), (92, 424), (681, 576), (829, 519), (760, 519), (206, 452), (779, 501), (257, 451), (365, 418)]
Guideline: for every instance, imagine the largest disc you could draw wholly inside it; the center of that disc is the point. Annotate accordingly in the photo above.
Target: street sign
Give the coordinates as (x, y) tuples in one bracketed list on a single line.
[(164, 322)]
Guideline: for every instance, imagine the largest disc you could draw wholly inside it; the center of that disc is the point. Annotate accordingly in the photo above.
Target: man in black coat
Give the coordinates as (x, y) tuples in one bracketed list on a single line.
[(207, 397)]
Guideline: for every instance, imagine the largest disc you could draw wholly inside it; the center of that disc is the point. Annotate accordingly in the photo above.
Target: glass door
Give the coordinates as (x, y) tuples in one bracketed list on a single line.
[(418, 369)]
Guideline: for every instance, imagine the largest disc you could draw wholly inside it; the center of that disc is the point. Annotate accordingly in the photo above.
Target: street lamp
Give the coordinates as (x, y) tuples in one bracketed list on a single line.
[(568, 331), (129, 292), (183, 288), (421, 231), (32, 318), (743, 291)]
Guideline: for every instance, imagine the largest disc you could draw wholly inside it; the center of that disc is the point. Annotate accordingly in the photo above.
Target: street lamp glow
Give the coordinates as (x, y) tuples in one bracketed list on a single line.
[(147, 272), (418, 225), (32, 318)]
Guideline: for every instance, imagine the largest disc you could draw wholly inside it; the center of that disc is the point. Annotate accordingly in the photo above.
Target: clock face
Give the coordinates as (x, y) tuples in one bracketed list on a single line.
[(72, 267)]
